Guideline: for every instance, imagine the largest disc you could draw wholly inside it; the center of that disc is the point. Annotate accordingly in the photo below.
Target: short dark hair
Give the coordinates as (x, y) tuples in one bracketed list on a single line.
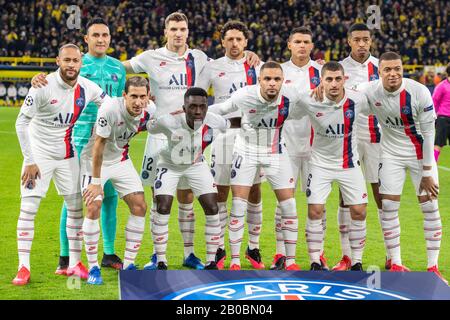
[(302, 30), (270, 65), (389, 56), (358, 27), (332, 66), (136, 81), (195, 91), (447, 70), (234, 25), (68, 45), (175, 16), (96, 20)]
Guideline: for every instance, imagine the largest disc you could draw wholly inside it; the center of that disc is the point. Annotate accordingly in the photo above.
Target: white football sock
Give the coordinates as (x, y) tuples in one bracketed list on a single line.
[(91, 235), (160, 231), (289, 226), (25, 229), (236, 228), (281, 249), (391, 229), (74, 226), (314, 239), (357, 237), (186, 219), (212, 236), (254, 222), (133, 238), (223, 216), (432, 227)]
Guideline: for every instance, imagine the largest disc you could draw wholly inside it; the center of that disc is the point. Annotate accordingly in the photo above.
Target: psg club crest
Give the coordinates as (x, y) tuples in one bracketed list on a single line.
[(233, 173), (315, 81), (145, 175), (80, 102), (114, 77), (251, 73), (158, 184), (190, 63), (406, 110), (213, 172), (284, 111), (373, 77), (349, 114)]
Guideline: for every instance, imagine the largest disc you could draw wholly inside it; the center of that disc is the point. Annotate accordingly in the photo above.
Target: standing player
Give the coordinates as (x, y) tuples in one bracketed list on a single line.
[(441, 99), (360, 66), (172, 70), (109, 74), (406, 113), (44, 128), (188, 135), (226, 75), (304, 73), (334, 157), (105, 158), (259, 144)]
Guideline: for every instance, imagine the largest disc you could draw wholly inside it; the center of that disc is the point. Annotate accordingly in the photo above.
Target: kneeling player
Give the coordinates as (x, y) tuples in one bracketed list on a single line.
[(188, 135), (104, 158), (335, 158)]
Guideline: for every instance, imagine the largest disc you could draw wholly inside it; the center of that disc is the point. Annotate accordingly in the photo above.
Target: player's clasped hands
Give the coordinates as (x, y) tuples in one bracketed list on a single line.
[(29, 176), (430, 187), (92, 192)]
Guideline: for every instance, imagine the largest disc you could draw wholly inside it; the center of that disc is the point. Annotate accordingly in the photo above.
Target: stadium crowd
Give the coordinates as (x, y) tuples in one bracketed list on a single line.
[(416, 29), (423, 40)]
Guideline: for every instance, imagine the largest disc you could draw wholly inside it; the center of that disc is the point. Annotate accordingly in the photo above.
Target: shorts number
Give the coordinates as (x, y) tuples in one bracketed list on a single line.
[(160, 173), (237, 163), (308, 183), (147, 163)]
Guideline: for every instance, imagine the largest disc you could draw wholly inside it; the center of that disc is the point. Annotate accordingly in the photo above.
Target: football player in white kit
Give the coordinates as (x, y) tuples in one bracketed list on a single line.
[(171, 70), (298, 134), (105, 158), (406, 113), (259, 144), (225, 75), (334, 157), (360, 66), (188, 134), (44, 128)]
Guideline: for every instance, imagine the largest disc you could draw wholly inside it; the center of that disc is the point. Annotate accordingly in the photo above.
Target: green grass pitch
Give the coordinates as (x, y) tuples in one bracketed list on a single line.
[(45, 251)]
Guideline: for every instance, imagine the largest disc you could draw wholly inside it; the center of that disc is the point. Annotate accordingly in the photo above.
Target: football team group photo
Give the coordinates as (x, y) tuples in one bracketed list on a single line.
[(226, 136)]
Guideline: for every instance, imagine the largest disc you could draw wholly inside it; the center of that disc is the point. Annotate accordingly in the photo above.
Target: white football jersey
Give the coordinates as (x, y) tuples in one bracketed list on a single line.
[(186, 145), (300, 132), (118, 127), (226, 75), (54, 109), (400, 114), (334, 145), (261, 121), (170, 75), (357, 73)]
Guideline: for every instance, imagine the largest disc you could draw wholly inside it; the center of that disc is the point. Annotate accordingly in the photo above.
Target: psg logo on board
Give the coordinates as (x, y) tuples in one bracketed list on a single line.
[(315, 81), (283, 289), (349, 114), (80, 102)]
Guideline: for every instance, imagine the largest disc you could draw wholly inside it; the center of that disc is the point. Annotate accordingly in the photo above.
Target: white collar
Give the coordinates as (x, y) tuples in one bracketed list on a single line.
[(396, 92), (234, 61), (304, 68), (175, 55), (62, 83), (264, 101), (365, 63), (332, 103)]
